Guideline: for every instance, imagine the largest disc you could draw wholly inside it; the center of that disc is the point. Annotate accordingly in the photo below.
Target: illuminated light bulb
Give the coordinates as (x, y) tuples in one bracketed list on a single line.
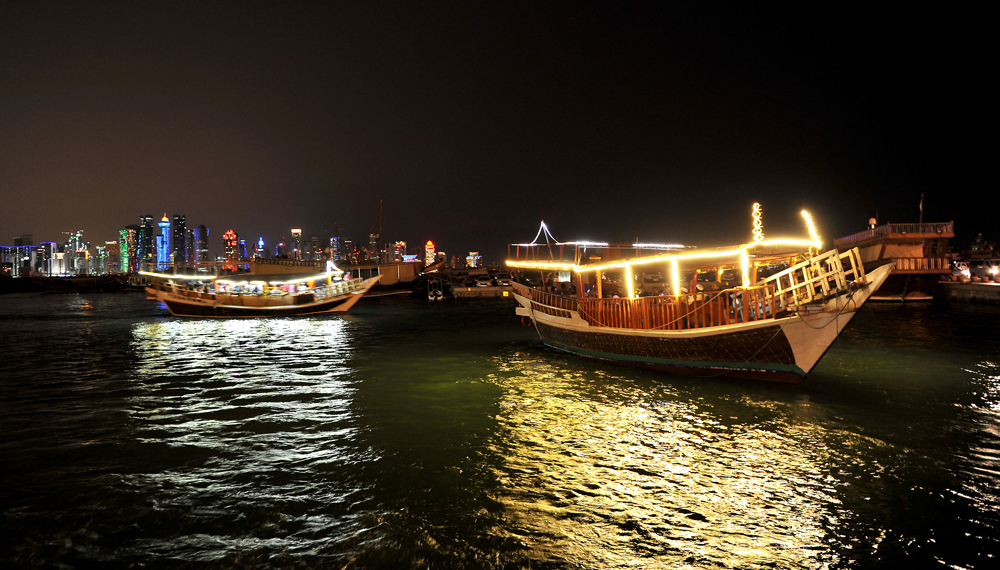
[(628, 279), (745, 266), (675, 276), (758, 225), (812, 229)]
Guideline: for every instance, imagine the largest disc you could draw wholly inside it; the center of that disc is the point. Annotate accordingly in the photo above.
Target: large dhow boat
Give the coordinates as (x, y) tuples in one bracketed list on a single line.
[(768, 309), (252, 296)]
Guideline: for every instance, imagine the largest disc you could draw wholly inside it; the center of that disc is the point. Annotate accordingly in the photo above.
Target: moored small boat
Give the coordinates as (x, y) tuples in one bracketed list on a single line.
[(251, 296), (773, 323)]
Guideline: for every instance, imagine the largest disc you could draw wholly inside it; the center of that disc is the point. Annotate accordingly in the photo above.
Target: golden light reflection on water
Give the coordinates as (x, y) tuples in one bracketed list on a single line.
[(660, 482)]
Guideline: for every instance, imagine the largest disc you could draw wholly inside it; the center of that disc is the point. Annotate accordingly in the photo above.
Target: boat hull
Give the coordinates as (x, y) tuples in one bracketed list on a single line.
[(781, 349), (762, 352)]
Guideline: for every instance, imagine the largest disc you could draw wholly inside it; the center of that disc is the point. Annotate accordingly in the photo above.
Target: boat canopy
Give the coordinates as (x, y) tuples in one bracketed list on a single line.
[(332, 272), (748, 256)]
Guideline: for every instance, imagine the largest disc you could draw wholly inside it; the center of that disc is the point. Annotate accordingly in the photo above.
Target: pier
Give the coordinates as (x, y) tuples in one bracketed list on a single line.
[(970, 292)]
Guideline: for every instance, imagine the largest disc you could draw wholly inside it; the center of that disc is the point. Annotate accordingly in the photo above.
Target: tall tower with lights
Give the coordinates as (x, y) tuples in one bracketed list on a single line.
[(163, 249)]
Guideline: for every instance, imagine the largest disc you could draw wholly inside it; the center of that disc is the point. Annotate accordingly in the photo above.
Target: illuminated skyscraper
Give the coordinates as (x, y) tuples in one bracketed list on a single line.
[(259, 251), (335, 248), (128, 249), (201, 243), (429, 255), (144, 241), (163, 249), (179, 237), (317, 251), (398, 251), (473, 259), (231, 241), (113, 257), (373, 253), (46, 251), (297, 243)]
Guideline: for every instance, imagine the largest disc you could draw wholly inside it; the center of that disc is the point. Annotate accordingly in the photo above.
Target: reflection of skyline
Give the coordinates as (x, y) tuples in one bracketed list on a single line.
[(661, 481)]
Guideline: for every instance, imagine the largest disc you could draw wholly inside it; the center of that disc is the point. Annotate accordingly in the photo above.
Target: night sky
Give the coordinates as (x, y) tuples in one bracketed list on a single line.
[(473, 121)]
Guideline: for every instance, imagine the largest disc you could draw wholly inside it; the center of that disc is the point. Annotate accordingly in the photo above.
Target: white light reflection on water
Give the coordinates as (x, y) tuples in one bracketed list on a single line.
[(251, 416), (662, 482)]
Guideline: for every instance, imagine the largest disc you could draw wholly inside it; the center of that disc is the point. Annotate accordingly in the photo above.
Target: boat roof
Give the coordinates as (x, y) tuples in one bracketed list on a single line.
[(760, 250), (247, 278)]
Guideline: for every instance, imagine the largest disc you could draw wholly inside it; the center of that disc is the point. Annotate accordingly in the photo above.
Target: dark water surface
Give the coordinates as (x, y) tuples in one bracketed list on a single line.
[(415, 435)]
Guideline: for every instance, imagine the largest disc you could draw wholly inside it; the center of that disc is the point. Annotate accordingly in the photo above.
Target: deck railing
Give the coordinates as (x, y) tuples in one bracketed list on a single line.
[(667, 312), (887, 229), (922, 264), (258, 299), (818, 278)]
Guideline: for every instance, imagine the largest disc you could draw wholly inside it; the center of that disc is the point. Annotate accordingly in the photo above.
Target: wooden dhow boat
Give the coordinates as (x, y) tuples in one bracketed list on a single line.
[(252, 296), (768, 309)]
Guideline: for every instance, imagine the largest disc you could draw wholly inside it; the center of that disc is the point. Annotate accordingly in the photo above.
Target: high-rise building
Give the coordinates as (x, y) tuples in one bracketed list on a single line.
[(201, 243), (398, 250), (259, 250), (231, 240), (163, 249), (128, 249), (373, 253), (297, 243), (190, 246), (242, 249), (179, 240), (146, 254), (429, 254), (317, 251), (335, 248), (113, 257), (44, 254), (473, 259), (77, 254)]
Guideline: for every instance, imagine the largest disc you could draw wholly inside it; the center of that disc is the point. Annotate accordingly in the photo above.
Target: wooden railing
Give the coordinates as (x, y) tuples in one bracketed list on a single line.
[(888, 229), (922, 264), (668, 312), (818, 278), (273, 298)]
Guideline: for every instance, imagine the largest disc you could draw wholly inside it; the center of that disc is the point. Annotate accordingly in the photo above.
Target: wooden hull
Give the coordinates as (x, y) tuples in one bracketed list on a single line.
[(781, 349), (212, 307)]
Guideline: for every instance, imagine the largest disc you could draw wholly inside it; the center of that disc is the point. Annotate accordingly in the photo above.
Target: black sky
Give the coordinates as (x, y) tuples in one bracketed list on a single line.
[(473, 121)]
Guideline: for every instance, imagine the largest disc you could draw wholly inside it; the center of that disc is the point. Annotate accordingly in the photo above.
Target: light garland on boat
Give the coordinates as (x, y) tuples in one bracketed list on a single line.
[(318, 277), (742, 251), (758, 225)]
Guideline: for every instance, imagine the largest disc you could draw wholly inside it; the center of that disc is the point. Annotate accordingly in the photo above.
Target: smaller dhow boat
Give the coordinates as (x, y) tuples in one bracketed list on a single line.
[(250, 296), (768, 309)]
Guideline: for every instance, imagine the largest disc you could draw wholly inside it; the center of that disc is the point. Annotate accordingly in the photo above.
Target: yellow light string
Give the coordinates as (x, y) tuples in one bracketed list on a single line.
[(758, 225), (743, 251), (628, 279)]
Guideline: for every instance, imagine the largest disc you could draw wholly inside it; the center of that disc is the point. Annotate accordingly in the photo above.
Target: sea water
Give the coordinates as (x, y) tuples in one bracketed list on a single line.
[(410, 434)]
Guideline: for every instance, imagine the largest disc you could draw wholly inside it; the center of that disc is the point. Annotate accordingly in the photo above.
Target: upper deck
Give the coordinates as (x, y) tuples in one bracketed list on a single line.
[(898, 232)]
